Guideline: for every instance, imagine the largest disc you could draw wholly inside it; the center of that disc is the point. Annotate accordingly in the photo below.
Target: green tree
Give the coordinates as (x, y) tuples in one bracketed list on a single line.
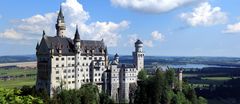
[(142, 75), (12, 96)]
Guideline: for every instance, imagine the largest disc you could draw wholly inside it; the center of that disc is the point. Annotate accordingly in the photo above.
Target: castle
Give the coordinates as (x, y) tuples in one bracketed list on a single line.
[(68, 63)]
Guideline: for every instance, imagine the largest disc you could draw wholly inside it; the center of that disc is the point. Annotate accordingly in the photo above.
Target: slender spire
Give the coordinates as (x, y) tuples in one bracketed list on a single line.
[(60, 14), (77, 36), (43, 33), (60, 26)]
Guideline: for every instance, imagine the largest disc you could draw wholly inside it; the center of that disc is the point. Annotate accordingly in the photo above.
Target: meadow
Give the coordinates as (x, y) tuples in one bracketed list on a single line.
[(17, 77)]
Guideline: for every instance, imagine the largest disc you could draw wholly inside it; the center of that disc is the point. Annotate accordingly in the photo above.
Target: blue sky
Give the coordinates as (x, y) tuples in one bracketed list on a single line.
[(167, 27)]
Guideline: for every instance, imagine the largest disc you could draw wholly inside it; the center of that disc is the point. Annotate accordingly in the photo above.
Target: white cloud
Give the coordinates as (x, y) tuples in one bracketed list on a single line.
[(11, 34), (148, 43), (131, 40), (233, 28), (205, 15), (152, 6), (156, 35), (31, 28)]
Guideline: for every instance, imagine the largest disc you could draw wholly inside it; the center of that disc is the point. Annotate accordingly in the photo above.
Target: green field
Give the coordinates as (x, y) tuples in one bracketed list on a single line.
[(17, 82), (15, 72)]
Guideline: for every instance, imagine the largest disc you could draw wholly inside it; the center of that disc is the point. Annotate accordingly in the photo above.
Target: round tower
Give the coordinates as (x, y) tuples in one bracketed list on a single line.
[(138, 55), (60, 26)]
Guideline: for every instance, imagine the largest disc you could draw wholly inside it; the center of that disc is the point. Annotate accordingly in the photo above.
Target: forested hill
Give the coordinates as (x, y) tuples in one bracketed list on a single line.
[(17, 58)]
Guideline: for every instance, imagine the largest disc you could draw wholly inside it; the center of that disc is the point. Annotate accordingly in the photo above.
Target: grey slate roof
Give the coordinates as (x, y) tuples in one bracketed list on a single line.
[(138, 42), (67, 46)]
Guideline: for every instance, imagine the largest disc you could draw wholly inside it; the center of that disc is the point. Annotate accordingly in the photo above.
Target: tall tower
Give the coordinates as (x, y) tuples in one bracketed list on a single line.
[(77, 45), (60, 26), (138, 55)]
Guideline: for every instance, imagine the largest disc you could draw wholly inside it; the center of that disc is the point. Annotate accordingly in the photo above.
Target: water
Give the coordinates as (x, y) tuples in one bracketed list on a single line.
[(195, 66)]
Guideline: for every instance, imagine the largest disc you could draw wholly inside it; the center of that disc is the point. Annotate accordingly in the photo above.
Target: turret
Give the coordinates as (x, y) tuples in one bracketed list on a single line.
[(77, 45), (116, 58), (60, 26), (138, 55), (77, 41), (139, 46)]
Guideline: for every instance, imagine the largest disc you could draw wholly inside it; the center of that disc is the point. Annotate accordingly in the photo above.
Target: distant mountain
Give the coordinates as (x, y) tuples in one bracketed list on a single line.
[(17, 58)]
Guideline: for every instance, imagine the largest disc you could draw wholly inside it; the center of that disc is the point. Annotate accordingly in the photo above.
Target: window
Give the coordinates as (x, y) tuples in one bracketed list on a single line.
[(57, 59), (72, 64), (81, 70), (69, 82), (72, 76), (87, 69), (99, 74), (62, 65), (95, 58), (73, 58), (73, 81), (65, 71), (57, 72), (65, 76), (90, 58), (84, 58), (69, 76), (69, 71), (62, 58), (95, 74), (57, 78), (68, 58), (73, 70), (83, 64), (56, 65)]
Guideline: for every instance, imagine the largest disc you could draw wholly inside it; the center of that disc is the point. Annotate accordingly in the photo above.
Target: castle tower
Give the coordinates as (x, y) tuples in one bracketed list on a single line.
[(180, 75), (138, 55), (77, 45), (60, 26), (116, 58)]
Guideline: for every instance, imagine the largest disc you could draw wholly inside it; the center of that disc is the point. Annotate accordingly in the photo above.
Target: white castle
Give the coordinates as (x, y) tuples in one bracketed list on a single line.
[(68, 63)]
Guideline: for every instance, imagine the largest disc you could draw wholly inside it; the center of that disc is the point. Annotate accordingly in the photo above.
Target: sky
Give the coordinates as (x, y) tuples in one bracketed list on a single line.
[(166, 27)]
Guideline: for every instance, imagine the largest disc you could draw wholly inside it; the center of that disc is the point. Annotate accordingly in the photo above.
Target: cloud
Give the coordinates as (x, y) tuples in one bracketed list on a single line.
[(131, 40), (233, 28), (0, 16), (148, 43), (31, 28), (204, 15), (11, 34), (156, 35), (152, 6)]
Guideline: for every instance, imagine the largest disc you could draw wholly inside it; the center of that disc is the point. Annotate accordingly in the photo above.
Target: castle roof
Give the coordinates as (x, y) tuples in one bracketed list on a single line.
[(66, 45), (138, 42)]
